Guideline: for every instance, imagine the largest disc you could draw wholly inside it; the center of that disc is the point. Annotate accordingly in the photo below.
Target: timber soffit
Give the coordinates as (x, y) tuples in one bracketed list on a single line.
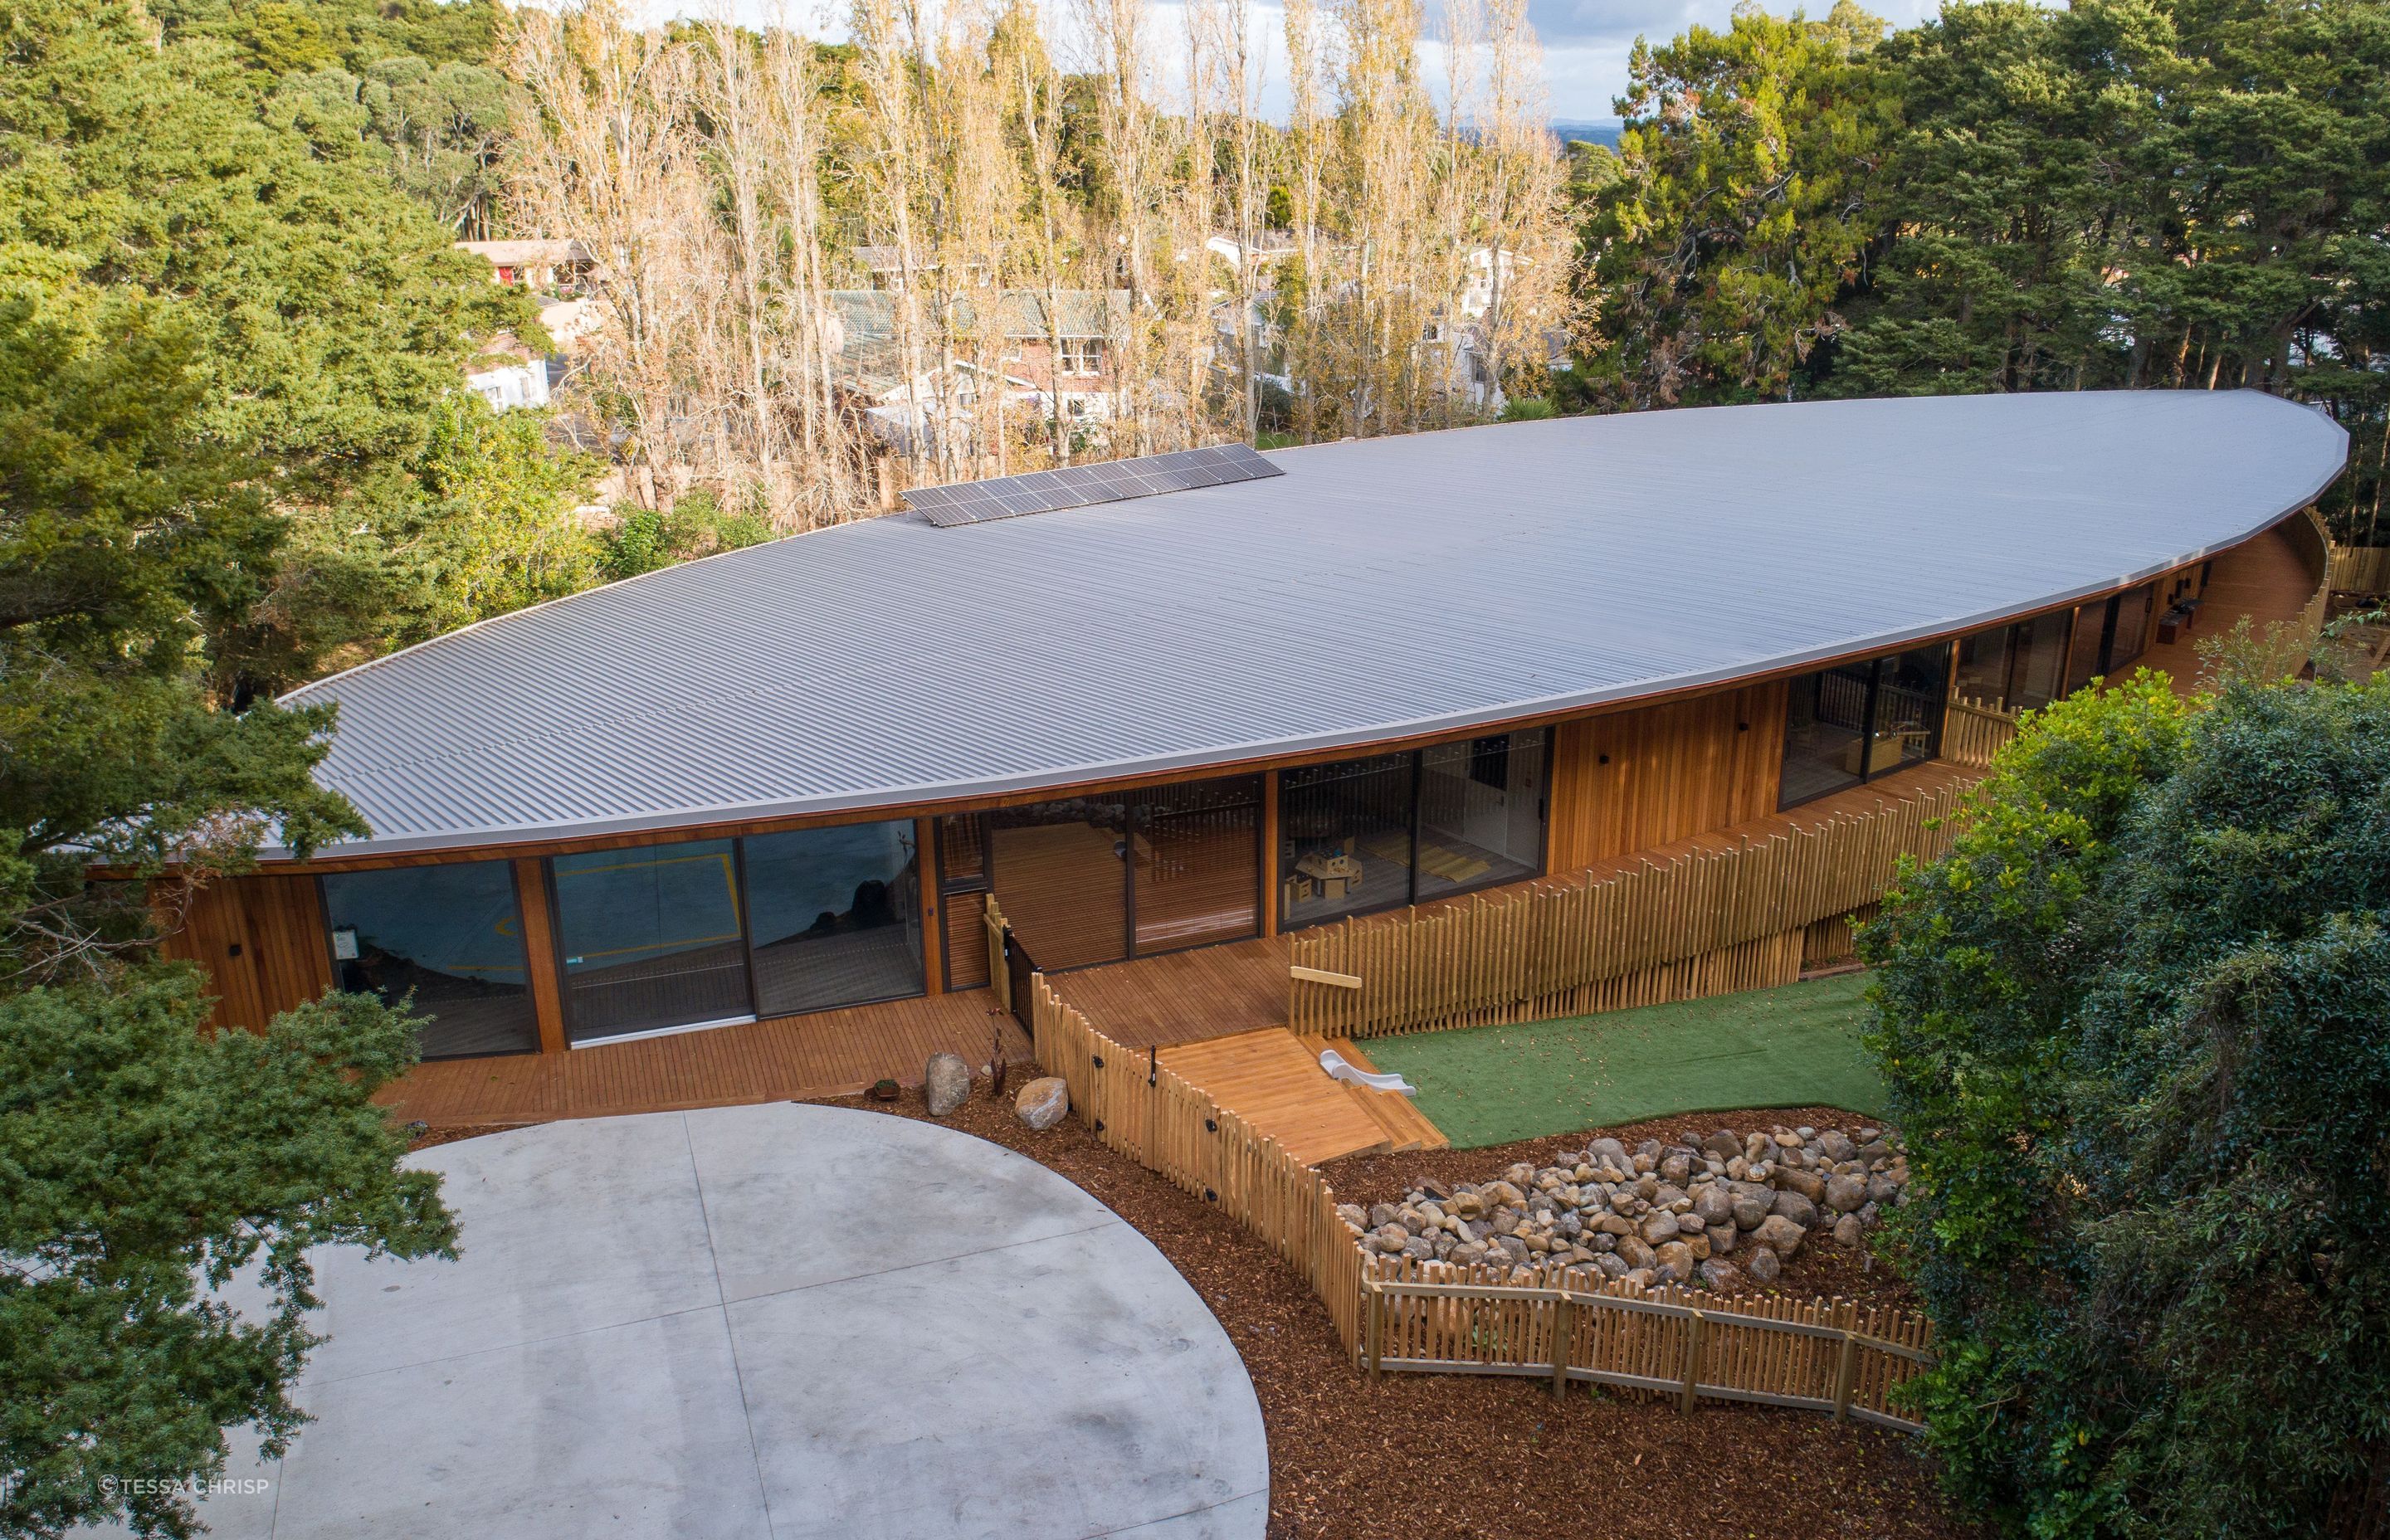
[(1379, 589)]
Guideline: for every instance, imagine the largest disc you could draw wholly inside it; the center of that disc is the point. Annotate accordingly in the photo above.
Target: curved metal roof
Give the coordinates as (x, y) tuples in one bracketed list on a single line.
[(1380, 588)]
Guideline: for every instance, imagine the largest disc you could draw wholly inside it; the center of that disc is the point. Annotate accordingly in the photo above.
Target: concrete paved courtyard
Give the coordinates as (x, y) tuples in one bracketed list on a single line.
[(766, 1322)]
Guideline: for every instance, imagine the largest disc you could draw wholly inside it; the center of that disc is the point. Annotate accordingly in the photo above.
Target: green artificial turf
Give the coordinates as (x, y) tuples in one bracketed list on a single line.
[(1797, 1045)]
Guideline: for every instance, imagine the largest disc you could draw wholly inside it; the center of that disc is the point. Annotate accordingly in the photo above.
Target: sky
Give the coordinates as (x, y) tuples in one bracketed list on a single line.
[(1586, 42)]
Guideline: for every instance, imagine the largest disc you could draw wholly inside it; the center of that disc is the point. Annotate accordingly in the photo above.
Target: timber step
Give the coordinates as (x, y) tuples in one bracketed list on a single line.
[(1274, 1083)]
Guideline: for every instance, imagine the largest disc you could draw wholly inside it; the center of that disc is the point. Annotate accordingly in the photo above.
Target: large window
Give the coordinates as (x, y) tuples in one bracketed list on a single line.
[(650, 937), (663, 936), (835, 916), (2018, 668), (1850, 724), (449, 937), (1095, 879), (2107, 635), (1401, 829)]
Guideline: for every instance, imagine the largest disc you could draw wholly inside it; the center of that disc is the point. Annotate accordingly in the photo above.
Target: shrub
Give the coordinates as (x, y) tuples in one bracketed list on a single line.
[(2137, 1026)]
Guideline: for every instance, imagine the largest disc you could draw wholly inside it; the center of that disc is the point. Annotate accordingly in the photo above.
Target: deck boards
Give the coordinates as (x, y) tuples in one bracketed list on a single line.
[(830, 1054), (1273, 1081)]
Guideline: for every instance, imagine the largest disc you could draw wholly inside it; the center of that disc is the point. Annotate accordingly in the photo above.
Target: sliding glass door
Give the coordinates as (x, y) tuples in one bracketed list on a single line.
[(1375, 833), (1847, 725), (701, 931), (835, 914), (650, 938)]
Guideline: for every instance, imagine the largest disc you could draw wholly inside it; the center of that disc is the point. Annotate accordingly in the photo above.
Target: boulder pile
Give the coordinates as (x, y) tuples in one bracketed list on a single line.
[(1664, 1213)]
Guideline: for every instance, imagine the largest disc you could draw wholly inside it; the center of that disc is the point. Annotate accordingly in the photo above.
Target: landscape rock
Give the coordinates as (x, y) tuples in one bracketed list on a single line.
[(1781, 1235), (1763, 1264), (1633, 1252), (1795, 1207), (1673, 1261), (1809, 1184), (1661, 1229), (1849, 1230), (945, 1083), (1722, 1277), (1714, 1205), (1042, 1102), (1844, 1194)]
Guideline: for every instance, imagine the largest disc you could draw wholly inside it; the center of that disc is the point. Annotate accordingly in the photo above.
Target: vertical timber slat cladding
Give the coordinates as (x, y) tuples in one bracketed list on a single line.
[(261, 940), (1682, 768)]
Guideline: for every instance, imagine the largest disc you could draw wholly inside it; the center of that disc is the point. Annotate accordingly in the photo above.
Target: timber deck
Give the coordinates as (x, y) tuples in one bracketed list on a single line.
[(835, 1053)]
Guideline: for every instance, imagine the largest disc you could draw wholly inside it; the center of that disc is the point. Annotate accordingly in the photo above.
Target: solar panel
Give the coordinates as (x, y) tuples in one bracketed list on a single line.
[(1080, 486)]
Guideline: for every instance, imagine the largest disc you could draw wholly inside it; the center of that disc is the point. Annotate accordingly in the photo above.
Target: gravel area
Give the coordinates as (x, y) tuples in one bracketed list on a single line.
[(1819, 1268), (1466, 1459)]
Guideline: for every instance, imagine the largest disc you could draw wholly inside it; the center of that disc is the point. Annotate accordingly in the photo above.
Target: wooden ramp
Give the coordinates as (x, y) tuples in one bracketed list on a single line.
[(1272, 1079)]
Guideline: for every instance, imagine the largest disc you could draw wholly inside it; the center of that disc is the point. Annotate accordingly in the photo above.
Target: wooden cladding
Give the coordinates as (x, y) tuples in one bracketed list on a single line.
[(261, 939), (1635, 780), (966, 946)]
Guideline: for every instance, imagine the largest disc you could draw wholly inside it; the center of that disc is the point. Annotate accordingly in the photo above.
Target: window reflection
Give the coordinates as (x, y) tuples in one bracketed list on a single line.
[(448, 935)]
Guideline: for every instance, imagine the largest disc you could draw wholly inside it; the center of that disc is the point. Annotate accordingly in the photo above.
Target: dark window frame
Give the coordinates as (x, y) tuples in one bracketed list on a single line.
[(531, 996), (746, 945), (1417, 763), (1876, 667)]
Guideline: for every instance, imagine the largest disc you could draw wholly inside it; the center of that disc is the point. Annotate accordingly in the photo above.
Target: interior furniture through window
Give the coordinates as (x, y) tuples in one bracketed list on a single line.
[(1376, 833), (1849, 723), (449, 936)]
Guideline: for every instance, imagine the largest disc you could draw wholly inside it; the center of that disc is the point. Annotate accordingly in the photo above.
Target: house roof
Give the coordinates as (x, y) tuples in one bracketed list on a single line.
[(1380, 588)]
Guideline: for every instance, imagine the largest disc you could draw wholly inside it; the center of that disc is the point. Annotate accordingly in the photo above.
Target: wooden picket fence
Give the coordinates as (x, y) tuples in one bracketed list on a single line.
[(1392, 1315), (1703, 923), (1972, 731), (1137, 1106), (1824, 1356), (2360, 569)]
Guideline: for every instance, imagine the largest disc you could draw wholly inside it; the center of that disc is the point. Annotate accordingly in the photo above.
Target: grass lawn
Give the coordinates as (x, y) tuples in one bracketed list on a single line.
[(1797, 1045)]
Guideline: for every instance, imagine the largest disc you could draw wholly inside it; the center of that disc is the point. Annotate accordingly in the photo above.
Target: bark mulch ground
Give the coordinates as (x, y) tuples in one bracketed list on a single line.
[(1472, 1459)]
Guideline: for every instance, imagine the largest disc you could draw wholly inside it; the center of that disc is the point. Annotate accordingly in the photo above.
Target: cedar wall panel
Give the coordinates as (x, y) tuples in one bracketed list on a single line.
[(262, 940), (1673, 770), (966, 939)]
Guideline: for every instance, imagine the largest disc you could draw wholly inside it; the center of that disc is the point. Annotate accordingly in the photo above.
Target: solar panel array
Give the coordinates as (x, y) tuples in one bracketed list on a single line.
[(1080, 486)]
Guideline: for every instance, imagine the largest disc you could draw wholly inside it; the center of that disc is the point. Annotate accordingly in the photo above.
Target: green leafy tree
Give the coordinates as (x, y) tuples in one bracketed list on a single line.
[(143, 1161), (329, 314), (1738, 212), (2137, 1026)]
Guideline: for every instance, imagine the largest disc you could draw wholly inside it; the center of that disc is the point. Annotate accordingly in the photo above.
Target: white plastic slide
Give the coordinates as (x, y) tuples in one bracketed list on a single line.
[(1334, 1063)]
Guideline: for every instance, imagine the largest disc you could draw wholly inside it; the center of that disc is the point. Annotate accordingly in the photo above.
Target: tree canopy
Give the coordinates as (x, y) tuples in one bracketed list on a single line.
[(2137, 1026), (2006, 197)]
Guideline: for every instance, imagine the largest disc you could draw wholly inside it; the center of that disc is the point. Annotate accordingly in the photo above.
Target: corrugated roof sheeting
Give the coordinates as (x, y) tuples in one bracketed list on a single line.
[(1377, 588)]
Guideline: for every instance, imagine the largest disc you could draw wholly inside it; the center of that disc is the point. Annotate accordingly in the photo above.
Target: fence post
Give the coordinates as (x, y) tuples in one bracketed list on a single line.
[(1564, 1333), (1844, 1374), (1370, 1294), (1692, 1362)]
